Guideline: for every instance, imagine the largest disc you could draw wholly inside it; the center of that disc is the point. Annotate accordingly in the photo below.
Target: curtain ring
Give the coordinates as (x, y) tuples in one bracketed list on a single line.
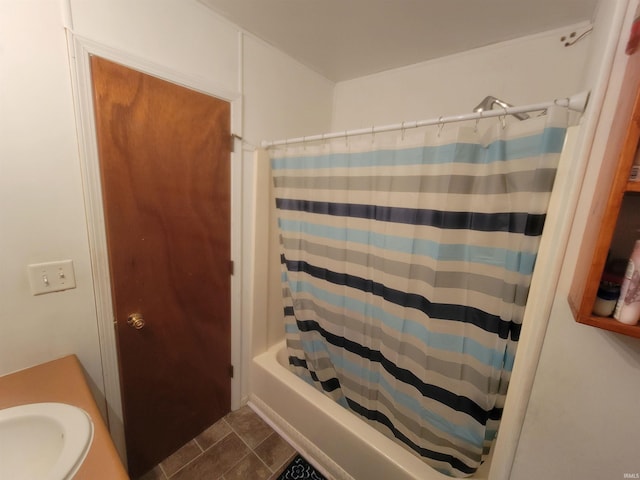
[(503, 118), (373, 134), (402, 129), (475, 127), (440, 125)]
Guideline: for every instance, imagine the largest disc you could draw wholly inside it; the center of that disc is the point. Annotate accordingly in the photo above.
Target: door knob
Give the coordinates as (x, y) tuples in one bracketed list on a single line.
[(136, 320)]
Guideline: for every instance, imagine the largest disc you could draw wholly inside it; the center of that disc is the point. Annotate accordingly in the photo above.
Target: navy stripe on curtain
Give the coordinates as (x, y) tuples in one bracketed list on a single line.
[(515, 222)]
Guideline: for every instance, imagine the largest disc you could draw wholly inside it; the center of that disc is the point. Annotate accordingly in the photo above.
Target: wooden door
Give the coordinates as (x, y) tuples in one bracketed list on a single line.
[(164, 160)]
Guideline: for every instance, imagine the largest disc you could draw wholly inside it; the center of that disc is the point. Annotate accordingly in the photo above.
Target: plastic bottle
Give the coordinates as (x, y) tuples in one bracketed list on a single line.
[(634, 175), (628, 306), (607, 299)]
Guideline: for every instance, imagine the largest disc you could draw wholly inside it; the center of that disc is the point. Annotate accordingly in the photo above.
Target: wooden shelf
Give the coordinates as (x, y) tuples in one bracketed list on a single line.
[(611, 324), (633, 187), (602, 232)]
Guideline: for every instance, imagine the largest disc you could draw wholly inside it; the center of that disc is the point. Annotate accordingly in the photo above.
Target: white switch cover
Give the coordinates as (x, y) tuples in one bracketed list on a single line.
[(51, 277)]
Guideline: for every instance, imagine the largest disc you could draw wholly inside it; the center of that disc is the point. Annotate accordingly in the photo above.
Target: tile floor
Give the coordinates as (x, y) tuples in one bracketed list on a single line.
[(239, 446)]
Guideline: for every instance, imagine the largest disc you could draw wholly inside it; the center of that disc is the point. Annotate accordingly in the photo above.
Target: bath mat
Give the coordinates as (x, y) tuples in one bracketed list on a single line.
[(300, 469)]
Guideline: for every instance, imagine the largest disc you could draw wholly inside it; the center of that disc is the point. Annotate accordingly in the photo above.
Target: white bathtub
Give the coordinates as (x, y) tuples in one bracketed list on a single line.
[(333, 439)]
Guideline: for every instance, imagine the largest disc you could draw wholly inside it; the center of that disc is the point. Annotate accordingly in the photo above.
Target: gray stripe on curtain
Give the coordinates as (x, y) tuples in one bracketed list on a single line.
[(459, 184), (480, 283)]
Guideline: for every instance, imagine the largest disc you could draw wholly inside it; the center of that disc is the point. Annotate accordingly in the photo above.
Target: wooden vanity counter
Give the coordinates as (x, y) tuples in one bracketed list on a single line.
[(63, 381)]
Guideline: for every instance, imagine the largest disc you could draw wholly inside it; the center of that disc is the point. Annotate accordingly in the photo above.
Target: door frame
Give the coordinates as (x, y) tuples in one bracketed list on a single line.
[(80, 49)]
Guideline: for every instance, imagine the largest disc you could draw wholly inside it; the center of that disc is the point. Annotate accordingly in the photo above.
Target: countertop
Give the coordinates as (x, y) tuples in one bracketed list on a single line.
[(63, 381)]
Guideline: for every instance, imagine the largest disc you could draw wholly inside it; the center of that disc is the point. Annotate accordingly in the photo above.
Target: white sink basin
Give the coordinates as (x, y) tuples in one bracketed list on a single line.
[(43, 441)]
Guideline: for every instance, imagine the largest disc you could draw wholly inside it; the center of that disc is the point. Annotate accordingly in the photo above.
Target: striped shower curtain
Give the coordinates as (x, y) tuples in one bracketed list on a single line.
[(406, 264)]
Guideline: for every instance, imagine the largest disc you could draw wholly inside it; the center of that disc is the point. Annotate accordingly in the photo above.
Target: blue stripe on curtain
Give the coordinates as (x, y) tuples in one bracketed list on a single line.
[(423, 358), (440, 341), (434, 455), (549, 141), (460, 313), (521, 262), (456, 402)]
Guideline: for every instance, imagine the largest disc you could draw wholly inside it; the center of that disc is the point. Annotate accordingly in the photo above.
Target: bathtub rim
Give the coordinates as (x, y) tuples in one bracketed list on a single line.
[(299, 443), (401, 460)]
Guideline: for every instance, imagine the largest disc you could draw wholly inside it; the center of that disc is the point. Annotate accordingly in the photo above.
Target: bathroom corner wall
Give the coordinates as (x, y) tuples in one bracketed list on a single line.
[(42, 215), (582, 418), (526, 70), (282, 99), (182, 36), (581, 415)]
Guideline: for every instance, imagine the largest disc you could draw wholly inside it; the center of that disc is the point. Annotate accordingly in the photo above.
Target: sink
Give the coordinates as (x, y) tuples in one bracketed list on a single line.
[(43, 441)]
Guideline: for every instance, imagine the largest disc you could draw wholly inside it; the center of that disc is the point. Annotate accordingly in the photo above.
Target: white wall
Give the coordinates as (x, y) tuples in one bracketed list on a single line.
[(42, 215), (582, 420), (282, 99), (527, 70), (582, 417), (184, 36), (41, 210)]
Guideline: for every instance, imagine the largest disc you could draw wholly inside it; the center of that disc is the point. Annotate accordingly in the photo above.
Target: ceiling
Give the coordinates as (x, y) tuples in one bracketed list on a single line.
[(344, 39)]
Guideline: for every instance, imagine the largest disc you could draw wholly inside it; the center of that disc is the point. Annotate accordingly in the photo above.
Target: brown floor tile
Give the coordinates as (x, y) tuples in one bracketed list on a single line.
[(250, 467), (217, 460), (281, 468), (249, 426), (179, 459), (275, 475), (274, 451), (213, 434), (226, 456)]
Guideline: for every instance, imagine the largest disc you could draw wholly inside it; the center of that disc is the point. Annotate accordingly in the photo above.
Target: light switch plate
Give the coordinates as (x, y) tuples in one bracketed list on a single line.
[(51, 277)]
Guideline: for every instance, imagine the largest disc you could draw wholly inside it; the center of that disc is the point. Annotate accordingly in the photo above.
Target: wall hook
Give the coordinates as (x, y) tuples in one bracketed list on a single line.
[(573, 37)]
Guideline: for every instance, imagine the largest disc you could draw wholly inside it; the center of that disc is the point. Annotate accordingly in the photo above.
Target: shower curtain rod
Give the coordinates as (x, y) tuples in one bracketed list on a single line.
[(577, 102)]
